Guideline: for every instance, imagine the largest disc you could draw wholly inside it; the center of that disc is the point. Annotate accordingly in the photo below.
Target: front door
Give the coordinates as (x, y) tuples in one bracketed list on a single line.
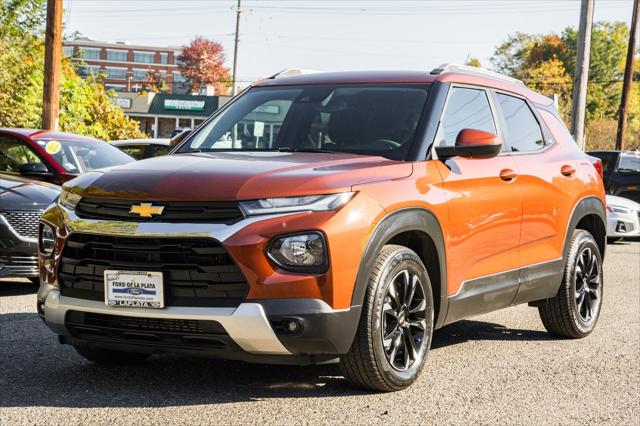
[(485, 213)]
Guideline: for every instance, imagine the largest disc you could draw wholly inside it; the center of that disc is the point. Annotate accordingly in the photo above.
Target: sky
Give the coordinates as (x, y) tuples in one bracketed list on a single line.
[(333, 35)]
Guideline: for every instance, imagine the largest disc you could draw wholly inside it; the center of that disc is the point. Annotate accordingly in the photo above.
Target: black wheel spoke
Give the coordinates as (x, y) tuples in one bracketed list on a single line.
[(403, 320)]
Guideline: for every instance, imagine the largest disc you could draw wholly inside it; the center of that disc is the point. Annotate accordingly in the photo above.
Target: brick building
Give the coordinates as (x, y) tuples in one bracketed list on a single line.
[(127, 66)]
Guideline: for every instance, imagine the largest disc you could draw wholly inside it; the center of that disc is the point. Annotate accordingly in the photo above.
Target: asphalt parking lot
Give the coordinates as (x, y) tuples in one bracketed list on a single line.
[(497, 368)]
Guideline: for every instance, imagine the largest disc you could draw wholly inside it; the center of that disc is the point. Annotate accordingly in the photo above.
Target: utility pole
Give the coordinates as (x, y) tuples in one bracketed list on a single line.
[(581, 75), (235, 50), (628, 77), (52, 63)]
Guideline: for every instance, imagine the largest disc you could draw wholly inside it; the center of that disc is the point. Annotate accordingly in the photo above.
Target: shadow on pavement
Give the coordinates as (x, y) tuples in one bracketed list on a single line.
[(17, 288), (37, 371), (468, 330)]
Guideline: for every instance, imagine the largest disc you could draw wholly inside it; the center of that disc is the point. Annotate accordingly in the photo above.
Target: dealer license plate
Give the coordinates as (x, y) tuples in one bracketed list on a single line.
[(134, 289)]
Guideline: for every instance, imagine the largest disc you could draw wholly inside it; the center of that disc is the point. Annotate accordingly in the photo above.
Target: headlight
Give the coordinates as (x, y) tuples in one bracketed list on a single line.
[(46, 239), (305, 252), (618, 209), (314, 203), (69, 199)]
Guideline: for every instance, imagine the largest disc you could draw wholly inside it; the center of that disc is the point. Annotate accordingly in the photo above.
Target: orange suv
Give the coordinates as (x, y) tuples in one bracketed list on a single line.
[(332, 217)]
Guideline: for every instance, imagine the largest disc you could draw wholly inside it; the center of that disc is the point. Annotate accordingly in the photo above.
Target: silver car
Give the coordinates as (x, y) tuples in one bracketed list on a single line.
[(623, 217)]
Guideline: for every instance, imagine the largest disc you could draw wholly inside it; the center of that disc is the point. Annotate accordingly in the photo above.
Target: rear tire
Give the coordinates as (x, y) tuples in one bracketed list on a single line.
[(109, 357), (396, 325), (575, 310)]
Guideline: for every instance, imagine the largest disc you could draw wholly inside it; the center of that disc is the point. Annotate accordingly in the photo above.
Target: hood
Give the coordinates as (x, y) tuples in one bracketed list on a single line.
[(239, 176), (613, 200), (18, 193)]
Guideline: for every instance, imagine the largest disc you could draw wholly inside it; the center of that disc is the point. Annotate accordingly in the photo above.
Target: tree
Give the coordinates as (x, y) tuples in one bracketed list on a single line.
[(474, 62), (85, 106), (155, 83), (202, 63)]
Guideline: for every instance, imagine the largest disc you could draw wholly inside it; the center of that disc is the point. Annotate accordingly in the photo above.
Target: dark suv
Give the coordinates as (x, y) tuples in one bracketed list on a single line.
[(621, 173)]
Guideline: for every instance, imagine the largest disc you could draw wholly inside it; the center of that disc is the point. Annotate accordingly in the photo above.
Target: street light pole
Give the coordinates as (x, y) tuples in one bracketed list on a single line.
[(235, 50), (581, 75), (52, 65)]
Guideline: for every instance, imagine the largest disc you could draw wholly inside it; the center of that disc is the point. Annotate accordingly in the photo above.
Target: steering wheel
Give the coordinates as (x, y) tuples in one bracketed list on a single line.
[(387, 143)]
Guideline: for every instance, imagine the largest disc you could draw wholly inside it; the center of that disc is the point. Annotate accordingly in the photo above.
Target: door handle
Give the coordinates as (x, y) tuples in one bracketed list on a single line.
[(508, 175), (567, 170)]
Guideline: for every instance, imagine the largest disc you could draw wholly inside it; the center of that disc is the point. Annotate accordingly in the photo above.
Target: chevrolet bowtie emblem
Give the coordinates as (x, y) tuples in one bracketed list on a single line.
[(146, 209)]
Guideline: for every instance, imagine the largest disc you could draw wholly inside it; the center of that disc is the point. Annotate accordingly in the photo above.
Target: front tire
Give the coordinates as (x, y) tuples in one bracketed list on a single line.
[(396, 325), (575, 310)]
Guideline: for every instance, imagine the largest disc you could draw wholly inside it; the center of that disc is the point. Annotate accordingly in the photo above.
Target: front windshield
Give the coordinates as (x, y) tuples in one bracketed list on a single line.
[(80, 156), (359, 119), (629, 163)]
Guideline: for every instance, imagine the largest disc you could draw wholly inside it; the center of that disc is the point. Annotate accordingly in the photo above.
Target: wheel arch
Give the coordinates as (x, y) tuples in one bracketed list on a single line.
[(588, 214), (419, 230)]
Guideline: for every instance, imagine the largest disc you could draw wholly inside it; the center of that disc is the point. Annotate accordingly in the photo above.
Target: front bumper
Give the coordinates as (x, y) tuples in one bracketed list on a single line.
[(324, 333), (620, 225)]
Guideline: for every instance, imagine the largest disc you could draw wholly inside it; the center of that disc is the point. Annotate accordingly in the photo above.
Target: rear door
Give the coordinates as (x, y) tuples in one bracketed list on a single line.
[(485, 212), (550, 177)]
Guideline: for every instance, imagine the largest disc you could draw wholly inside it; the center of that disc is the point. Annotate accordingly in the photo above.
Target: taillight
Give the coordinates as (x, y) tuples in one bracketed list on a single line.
[(598, 165)]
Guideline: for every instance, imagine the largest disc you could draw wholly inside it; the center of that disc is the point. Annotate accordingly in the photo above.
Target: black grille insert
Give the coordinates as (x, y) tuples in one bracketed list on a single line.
[(174, 211), (25, 223), (196, 271), (197, 334)]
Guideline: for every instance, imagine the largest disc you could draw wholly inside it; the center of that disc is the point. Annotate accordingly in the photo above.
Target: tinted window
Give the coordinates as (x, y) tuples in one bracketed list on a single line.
[(523, 131), (157, 150), (466, 109), (14, 153), (359, 119), (136, 151), (629, 163)]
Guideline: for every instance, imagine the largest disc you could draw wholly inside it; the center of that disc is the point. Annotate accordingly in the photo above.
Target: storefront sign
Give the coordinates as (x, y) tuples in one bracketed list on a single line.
[(122, 102), (183, 104)]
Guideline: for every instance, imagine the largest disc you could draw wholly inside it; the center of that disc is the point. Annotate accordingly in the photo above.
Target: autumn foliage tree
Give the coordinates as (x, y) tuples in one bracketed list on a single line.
[(202, 63)]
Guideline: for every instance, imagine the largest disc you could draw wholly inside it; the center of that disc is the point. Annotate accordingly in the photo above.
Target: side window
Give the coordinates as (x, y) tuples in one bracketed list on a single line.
[(136, 151), (466, 109), (14, 153), (157, 150), (523, 130)]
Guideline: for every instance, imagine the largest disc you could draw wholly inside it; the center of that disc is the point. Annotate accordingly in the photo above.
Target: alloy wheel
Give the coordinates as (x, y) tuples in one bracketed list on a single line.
[(587, 285), (404, 320)]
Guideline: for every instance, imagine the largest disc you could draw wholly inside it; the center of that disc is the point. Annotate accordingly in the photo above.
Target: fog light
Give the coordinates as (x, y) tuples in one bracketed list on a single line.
[(299, 251), (46, 240)]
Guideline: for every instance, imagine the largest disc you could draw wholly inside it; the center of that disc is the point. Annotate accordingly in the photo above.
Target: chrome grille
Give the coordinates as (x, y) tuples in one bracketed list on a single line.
[(24, 222)]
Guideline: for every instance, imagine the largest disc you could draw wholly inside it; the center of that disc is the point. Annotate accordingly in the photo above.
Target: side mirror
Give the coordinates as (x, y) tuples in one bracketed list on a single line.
[(35, 170), (471, 143)]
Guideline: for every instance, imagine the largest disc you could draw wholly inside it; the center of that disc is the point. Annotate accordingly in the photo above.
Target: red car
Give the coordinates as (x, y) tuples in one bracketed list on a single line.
[(54, 157)]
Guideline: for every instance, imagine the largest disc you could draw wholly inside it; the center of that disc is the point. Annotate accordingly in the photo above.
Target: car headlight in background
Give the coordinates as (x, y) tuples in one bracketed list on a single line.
[(304, 252), (46, 239), (314, 203), (69, 199)]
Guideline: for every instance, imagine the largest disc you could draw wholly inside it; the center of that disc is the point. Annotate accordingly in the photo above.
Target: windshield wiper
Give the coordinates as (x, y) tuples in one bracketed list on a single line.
[(323, 151)]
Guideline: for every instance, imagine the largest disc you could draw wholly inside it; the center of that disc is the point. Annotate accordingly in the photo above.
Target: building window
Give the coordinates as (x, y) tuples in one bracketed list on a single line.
[(115, 87), (143, 57), (117, 55), (140, 75), (68, 51), (178, 77), (176, 61), (89, 53), (88, 70), (116, 73), (164, 58)]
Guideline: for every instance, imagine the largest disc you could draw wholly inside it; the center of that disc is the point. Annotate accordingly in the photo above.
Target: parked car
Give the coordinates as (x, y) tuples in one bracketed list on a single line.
[(621, 173), (22, 202), (623, 218), (54, 157), (176, 132), (143, 148), (353, 215)]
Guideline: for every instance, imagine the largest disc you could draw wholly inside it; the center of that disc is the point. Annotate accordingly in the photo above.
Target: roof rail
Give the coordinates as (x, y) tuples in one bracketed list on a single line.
[(464, 69), (289, 72)]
